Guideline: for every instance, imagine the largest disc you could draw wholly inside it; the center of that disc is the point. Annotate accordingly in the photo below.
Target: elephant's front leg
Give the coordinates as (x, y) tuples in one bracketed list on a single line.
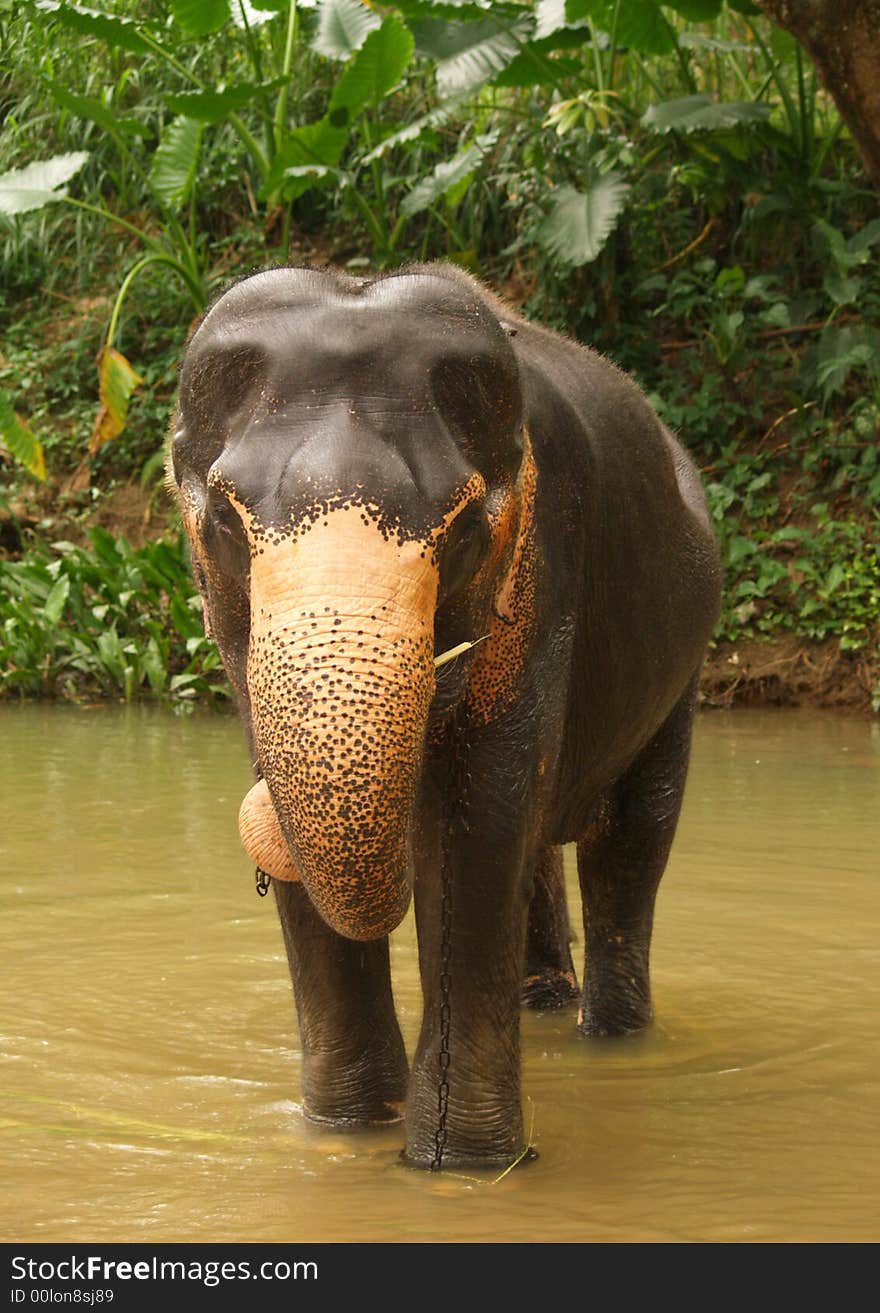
[(354, 1063), (463, 1108)]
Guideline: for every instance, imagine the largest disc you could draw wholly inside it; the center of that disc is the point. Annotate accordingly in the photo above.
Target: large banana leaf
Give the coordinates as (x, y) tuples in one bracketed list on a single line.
[(37, 184), (580, 222)]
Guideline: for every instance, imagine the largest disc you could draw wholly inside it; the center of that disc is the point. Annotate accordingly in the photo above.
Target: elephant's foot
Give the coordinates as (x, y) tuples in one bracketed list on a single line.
[(549, 989), (617, 995), (452, 1162), (480, 1129), (621, 1022), (356, 1093), (549, 981)]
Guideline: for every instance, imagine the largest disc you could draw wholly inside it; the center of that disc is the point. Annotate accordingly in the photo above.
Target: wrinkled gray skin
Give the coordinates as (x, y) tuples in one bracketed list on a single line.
[(375, 470)]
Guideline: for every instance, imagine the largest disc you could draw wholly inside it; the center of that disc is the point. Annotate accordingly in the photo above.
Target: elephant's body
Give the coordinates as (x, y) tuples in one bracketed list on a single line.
[(628, 575), (372, 471)]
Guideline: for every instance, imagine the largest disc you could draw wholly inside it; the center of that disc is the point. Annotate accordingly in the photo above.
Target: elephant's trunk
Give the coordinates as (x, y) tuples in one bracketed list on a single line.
[(340, 676)]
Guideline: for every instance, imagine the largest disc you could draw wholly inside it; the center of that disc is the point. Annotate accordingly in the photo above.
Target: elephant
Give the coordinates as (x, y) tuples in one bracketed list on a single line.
[(373, 471)]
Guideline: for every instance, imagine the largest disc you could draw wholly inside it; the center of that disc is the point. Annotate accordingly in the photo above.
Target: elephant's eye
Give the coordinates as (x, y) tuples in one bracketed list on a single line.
[(464, 548), (199, 575), (224, 535)]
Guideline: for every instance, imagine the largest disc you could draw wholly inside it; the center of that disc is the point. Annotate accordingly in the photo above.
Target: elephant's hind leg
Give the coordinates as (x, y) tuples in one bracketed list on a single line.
[(549, 980), (621, 858), (354, 1069)]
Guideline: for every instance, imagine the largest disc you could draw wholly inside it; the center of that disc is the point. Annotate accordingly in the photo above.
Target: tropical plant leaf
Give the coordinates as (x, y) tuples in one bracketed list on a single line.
[(117, 380), (580, 223), (55, 602), (314, 144), (550, 16), (89, 107), (343, 27), (639, 24), (460, 10), (702, 114), (695, 11), (468, 54), (122, 33), (245, 14), (373, 72), (699, 41), (19, 441), (445, 177), (313, 172), (531, 69), (864, 239), (37, 184), (200, 17), (213, 106), (173, 169), (433, 119)]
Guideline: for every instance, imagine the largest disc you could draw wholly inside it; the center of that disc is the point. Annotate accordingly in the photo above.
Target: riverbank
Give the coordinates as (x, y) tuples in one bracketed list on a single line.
[(97, 602), (791, 672)]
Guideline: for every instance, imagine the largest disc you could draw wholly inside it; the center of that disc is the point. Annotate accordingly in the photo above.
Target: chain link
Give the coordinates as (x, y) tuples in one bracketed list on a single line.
[(455, 810), (444, 1057)]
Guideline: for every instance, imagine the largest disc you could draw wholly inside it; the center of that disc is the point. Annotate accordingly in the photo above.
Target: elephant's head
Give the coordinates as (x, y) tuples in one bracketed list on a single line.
[(347, 453)]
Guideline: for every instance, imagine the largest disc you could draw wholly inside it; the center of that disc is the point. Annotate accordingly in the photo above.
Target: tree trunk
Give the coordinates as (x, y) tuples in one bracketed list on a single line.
[(842, 37)]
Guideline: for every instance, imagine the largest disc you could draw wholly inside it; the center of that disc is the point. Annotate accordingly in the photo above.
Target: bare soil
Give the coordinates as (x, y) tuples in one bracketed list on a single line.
[(791, 672)]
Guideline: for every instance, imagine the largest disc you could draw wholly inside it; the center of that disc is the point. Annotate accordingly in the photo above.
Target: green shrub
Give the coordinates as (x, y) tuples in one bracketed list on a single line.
[(112, 621)]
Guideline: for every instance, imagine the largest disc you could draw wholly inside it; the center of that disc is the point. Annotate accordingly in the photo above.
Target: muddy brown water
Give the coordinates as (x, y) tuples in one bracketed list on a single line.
[(150, 1060)]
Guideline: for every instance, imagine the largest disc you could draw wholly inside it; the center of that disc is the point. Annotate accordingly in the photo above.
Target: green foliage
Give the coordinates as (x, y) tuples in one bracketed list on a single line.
[(19, 441), (579, 223), (111, 621), (173, 168), (38, 184), (666, 180), (820, 580), (703, 114), (343, 26)]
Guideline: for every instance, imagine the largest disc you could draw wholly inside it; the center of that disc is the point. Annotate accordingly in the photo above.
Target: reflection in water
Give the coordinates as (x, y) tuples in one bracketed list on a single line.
[(149, 1049)]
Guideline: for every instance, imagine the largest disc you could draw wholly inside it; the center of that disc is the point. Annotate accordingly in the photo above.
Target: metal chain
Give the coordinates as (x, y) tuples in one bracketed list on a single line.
[(444, 1057), (458, 779), (262, 881)]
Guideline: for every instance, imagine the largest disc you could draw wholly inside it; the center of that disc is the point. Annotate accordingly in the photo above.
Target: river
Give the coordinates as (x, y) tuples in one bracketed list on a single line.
[(150, 1059)]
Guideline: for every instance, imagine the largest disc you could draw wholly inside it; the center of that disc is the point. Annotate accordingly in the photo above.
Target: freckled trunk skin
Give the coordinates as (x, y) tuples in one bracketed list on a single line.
[(340, 675)]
